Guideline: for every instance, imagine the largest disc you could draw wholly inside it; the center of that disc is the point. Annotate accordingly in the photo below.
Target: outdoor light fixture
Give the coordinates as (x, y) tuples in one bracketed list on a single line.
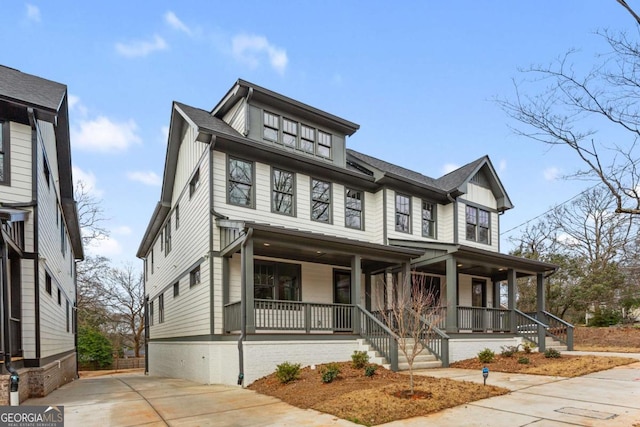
[(267, 244), (485, 374)]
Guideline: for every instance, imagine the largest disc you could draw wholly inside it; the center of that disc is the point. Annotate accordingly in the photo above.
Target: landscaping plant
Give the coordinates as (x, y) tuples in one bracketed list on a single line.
[(287, 372), (486, 355), (330, 372), (359, 359)]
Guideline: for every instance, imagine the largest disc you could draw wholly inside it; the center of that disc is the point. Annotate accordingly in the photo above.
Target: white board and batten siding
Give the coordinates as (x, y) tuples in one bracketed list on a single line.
[(189, 245), (302, 219), (236, 116), (56, 257)]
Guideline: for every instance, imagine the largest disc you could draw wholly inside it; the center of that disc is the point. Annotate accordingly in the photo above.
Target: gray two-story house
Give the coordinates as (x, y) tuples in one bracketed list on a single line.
[(272, 241)]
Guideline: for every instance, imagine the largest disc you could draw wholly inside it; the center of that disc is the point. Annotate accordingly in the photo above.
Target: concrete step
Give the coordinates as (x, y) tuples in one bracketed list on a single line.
[(420, 365), (425, 356)]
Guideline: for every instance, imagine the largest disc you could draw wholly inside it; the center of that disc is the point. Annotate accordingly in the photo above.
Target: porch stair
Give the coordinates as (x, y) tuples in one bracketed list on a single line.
[(424, 360), (555, 344)]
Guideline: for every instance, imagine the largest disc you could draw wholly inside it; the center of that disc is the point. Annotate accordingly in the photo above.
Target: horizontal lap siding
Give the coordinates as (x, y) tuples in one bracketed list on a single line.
[(445, 223), (54, 337), (20, 158), (462, 230), (189, 312), (416, 219), (28, 309), (302, 219)]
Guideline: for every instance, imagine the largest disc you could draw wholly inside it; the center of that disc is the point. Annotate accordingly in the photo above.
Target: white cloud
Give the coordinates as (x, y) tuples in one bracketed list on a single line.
[(449, 167), (88, 180), (123, 230), (33, 13), (76, 105), (502, 166), (107, 247), (174, 22), (139, 48), (250, 49), (104, 135), (147, 178), (551, 174)]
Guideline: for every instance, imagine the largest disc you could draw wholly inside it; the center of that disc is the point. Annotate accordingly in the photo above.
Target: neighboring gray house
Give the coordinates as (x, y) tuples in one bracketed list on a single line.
[(40, 237), (273, 242)]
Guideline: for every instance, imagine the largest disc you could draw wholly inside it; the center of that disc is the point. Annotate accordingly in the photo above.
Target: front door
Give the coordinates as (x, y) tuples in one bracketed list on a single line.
[(478, 300), (342, 295)]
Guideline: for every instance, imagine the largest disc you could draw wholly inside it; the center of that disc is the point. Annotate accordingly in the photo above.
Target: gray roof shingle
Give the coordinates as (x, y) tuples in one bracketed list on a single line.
[(394, 169), (204, 120), (27, 89), (456, 178)]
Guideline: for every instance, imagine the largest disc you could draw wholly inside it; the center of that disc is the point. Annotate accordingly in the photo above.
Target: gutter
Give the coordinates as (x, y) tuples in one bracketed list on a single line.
[(243, 307), (14, 379)]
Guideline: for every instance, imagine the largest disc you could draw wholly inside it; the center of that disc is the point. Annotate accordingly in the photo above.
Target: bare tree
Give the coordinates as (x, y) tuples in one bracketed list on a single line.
[(407, 316), (572, 109), (90, 214), (91, 295), (124, 290)]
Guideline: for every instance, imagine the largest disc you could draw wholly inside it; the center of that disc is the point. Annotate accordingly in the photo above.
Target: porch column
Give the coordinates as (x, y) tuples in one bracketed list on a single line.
[(452, 295), (496, 294), (246, 254), (511, 298), (404, 292), (541, 297), (356, 287)]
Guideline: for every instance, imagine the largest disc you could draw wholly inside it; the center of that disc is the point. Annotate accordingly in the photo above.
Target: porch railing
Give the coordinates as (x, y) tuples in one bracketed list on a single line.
[(531, 329), (558, 329), (379, 336), (484, 319), (434, 339), (232, 316)]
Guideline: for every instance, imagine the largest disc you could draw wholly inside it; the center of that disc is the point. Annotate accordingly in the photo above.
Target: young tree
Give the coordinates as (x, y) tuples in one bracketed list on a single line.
[(405, 315)]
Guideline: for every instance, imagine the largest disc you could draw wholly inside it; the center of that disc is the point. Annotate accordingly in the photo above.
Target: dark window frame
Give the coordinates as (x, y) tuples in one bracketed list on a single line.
[(47, 283), (161, 308), (230, 181), (176, 289), (278, 270), (400, 214), (167, 237), (276, 191), (194, 184), (433, 221), (474, 228), (5, 153), (194, 277), (269, 126), (350, 208), (317, 201)]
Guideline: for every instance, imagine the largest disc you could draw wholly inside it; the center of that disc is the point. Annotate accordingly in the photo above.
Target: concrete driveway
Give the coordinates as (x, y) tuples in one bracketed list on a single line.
[(607, 398)]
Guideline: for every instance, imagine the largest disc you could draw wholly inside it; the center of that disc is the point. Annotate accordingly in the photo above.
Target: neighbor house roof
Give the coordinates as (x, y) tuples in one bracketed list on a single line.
[(31, 91)]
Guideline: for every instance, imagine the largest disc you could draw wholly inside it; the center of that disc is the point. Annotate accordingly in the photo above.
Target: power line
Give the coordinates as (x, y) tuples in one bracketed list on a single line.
[(550, 209)]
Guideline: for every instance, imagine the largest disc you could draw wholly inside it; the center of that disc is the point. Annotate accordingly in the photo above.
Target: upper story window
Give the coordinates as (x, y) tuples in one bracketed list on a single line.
[(353, 209), (177, 216), (176, 289), (167, 237), (296, 135), (324, 144), (477, 224), (403, 213), (241, 183), (161, 308), (4, 153), (320, 200), (271, 126), (47, 283), (151, 313), (283, 196), (194, 276), (63, 236), (428, 219), (47, 174), (194, 183)]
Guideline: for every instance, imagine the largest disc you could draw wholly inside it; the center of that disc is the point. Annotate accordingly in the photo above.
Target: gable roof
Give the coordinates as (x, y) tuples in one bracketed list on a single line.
[(205, 120), (31, 91)]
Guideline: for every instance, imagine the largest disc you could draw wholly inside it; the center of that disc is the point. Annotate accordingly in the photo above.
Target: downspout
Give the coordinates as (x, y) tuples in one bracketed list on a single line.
[(243, 306), (246, 113), (455, 217), (14, 379)]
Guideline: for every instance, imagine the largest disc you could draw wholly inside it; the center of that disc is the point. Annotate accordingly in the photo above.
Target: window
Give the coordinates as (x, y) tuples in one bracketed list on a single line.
[(276, 281), (47, 174), (47, 283), (59, 297), (4, 153), (477, 224), (271, 127), (324, 144), (151, 313), (151, 261), (403, 213), (177, 216), (240, 182), (162, 241), (353, 209), (167, 237), (161, 308), (176, 289), (194, 276), (283, 199), (194, 183), (320, 200), (307, 139), (289, 133), (63, 236), (428, 219), (67, 316)]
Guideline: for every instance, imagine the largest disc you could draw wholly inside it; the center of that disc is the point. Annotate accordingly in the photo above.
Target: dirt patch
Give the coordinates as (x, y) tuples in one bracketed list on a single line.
[(565, 366), (615, 339), (372, 400)]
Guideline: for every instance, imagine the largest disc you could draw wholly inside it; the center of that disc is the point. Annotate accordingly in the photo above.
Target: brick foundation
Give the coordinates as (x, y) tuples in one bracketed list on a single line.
[(39, 382)]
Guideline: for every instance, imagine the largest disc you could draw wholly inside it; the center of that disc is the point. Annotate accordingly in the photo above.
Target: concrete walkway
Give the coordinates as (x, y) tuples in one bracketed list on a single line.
[(607, 398)]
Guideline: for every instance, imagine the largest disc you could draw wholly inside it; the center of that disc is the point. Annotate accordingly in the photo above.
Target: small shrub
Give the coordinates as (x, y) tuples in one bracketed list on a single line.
[(359, 359), (509, 350), (486, 356), (523, 360), (330, 372), (370, 370), (527, 347), (287, 372), (551, 353)]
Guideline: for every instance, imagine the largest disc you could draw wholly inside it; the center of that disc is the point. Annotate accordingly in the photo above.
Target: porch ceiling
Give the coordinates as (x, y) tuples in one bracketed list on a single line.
[(474, 261), (284, 243)]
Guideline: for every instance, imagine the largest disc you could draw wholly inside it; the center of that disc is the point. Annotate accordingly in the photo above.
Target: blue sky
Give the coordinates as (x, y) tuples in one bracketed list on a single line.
[(420, 78)]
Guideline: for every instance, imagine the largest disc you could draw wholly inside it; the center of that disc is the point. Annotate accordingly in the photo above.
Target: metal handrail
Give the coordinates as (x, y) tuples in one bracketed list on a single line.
[(563, 333), (381, 338)]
